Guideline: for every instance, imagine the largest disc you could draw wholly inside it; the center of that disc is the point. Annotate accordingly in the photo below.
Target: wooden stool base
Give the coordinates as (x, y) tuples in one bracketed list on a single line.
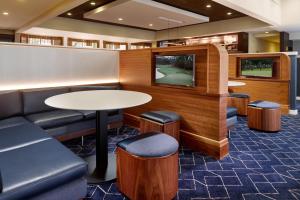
[(240, 103), (268, 120), (171, 128), (141, 178)]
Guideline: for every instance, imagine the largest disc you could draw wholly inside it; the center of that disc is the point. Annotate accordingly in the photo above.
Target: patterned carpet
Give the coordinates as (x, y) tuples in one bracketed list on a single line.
[(260, 166)]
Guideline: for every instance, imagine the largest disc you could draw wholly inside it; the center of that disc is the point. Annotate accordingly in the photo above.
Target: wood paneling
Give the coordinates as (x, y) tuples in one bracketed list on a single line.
[(142, 73), (147, 178), (202, 108), (274, 89)]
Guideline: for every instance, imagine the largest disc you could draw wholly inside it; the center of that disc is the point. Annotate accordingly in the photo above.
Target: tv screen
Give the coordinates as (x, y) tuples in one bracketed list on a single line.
[(175, 69), (262, 67)]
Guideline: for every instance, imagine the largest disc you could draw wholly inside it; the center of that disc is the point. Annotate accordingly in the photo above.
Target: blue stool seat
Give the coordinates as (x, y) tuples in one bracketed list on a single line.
[(264, 104), (152, 144), (239, 95), (161, 116)]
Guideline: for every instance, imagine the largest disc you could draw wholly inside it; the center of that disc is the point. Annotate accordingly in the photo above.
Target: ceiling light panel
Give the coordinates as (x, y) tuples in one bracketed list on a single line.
[(139, 13)]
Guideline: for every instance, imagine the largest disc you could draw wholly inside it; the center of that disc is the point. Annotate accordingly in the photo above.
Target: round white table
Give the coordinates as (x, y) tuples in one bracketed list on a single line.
[(102, 166), (235, 84)]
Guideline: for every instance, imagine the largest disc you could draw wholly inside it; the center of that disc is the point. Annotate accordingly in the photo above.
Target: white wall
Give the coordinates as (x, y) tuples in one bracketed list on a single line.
[(78, 35), (259, 45), (290, 15), (25, 66)]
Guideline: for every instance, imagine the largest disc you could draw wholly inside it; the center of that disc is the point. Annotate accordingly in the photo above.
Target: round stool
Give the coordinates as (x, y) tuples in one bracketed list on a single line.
[(147, 166), (264, 115), (239, 101), (162, 121)]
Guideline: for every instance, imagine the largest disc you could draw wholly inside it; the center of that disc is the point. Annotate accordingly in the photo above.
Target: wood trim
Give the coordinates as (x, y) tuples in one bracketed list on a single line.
[(216, 149)]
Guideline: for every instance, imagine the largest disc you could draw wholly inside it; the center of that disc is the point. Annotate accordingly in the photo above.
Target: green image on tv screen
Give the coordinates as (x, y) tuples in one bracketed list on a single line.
[(257, 67), (175, 69)]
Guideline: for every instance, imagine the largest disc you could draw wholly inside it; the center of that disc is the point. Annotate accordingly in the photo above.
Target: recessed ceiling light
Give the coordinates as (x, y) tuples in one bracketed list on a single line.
[(93, 3), (208, 6), (69, 14), (150, 24), (267, 32), (5, 13), (229, 13), (120, 19)]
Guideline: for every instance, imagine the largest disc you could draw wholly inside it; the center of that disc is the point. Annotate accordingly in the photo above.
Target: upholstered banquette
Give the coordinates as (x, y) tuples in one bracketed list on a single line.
[(28, 105), (34, 165)]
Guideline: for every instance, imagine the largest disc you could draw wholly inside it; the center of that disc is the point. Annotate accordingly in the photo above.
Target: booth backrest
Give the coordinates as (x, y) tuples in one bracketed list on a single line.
[(34, 99), (10, 104), (94, 87)]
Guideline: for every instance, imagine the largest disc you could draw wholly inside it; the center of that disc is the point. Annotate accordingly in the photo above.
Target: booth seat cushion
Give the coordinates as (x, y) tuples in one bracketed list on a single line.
[(13, 121), (34, 100), (264, 104), (231, 112), (20, 136), (153, 144), (44, 165), (76, 127), (161, 116), (92, 114), (1, 182), (94, 87), (10, 104), (239, 95), (55, 118)]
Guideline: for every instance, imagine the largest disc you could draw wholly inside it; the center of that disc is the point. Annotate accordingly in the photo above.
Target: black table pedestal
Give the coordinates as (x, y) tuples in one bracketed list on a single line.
[(102, 166)]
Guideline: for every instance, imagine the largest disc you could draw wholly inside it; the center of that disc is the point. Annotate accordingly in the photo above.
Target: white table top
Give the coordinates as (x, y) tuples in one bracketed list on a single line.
[(98, 100), (235, 83)]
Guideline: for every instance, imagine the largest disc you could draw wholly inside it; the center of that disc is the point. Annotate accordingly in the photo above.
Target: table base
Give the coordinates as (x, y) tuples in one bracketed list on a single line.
[(93, 174)]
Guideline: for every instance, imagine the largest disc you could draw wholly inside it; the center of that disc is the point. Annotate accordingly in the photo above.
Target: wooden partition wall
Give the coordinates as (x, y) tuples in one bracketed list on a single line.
[(202, 108), (274, 89)]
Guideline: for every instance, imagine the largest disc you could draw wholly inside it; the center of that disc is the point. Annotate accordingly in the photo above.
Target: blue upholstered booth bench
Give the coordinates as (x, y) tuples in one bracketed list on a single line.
[(34, 165), (17, 106)]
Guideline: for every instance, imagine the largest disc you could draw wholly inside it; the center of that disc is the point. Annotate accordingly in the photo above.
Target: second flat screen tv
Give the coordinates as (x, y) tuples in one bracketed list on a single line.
[(260, 67), (175, 70)]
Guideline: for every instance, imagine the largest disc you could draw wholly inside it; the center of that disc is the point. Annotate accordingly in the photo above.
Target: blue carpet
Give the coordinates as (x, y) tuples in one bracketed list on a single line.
[(260, 166)]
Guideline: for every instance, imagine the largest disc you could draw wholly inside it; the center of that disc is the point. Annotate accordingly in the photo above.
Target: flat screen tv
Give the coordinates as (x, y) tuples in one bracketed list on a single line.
[(175, 69), (258, 67)]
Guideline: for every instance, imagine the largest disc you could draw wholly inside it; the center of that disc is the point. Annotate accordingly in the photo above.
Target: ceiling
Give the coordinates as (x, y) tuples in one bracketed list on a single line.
[(22, 11), (216, 12), (19, 15), (145, 14)]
